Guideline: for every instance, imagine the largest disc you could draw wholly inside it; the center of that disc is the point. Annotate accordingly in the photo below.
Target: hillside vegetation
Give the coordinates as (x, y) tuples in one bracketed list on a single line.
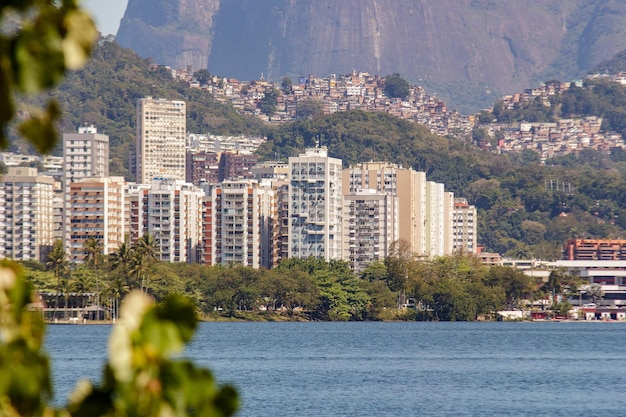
[(520, 213), (105, 93)]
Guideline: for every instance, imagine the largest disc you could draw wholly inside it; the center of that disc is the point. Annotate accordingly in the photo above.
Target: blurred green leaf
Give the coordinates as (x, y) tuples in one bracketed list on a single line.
[(40, 129)]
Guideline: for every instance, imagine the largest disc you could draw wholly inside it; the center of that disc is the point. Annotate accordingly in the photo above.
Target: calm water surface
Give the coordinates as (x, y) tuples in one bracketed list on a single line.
[(392, 369)]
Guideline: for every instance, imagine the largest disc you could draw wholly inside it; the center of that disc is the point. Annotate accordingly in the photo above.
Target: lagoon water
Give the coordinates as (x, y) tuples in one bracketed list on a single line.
[(391, 369)]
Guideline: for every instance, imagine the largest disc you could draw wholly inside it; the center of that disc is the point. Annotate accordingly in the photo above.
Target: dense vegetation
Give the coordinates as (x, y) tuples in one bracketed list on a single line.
[(521, 212), (105, 93), (448, 288)]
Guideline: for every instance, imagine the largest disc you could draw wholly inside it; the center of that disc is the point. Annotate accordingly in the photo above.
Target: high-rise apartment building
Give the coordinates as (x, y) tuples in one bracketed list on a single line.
[(464, 227), (370, 224), (203, 167), (237, 165), (85, 155), (439, 209), (161, 130), (407, 185), (26, 214), (96, 210), (239, 224), (171, 211), (315, 205)]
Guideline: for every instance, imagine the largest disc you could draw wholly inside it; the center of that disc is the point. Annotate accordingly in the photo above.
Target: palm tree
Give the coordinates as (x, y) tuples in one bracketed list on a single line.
[(57, 261), (93, 251), (67, 286), (146, 252), (122, 259)]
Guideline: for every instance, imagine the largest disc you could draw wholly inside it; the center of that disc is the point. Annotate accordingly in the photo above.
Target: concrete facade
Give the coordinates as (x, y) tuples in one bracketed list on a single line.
[(96, 210), (315, 205), (26, 215), (161, 131)]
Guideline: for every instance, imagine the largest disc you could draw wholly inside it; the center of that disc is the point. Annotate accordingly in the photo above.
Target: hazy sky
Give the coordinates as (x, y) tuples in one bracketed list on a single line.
[(107, 14)]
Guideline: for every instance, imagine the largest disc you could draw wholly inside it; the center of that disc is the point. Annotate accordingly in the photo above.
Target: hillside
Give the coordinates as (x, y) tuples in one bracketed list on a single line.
[(105, 92), (469, 52), (519, 212)]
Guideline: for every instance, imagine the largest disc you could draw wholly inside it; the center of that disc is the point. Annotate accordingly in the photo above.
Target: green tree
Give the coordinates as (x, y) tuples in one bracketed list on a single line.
[(268, 103), (515, 284), (121, 261), (145, 252), (398, 264), (93, 256), (57, 262), (286, 85), (396, 86), (309, 108), (595, 293), (203, 76)]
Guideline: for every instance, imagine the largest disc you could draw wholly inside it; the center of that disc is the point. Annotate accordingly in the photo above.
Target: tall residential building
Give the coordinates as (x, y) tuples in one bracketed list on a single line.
[(161, 129), (85, 155), (26, 214), (464, 227), (439, 209), (203, 167), (237, 165), (239, 224), (315, 205), (370, 226), (282, 219), (171, 210), (96, 210), (407, 185)]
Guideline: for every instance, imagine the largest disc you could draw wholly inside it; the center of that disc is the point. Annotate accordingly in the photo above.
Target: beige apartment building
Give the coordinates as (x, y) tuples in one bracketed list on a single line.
[(161, 131), (370, 226), (26, 214), (408, 185), (464, 227), (96, 210)]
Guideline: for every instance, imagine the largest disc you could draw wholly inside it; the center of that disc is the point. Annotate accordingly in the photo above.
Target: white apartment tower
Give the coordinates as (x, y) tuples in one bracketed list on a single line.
[(464, 227), (171, 211), (161, 129), (438, 220), (26, 215), (85, 154), (370, 226), (315, 205)]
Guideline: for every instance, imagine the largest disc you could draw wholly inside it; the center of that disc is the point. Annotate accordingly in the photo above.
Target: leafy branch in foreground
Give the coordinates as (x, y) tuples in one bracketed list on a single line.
[(40, 41), (140, 378)]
